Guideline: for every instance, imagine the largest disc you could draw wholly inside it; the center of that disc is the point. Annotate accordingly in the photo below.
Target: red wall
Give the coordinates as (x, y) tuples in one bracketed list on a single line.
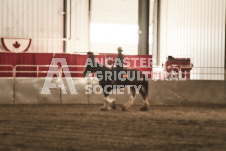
[(46, 58)]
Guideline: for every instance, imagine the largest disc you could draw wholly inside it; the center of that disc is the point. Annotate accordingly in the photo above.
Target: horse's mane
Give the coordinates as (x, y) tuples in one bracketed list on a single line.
[(91, 55), (102, 66), (109, 69)]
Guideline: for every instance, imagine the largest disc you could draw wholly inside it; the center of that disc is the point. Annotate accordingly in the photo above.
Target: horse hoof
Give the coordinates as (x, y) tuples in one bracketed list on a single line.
[(124, 108), (144, 108), (112, 105), (103, 109)]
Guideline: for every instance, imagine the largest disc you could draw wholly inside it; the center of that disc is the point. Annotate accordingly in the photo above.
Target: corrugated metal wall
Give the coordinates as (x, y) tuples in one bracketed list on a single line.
[(195, 29), (189, 28), (79, 29), (33, 18), (153, 34), (45, 19)]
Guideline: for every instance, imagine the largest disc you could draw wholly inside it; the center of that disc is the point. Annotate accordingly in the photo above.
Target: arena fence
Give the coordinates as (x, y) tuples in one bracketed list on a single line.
[(37, 65), (155, 73), (22, 83)]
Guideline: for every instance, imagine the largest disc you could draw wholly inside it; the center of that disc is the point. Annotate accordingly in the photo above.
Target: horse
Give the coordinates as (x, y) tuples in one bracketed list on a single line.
[(106, 81)]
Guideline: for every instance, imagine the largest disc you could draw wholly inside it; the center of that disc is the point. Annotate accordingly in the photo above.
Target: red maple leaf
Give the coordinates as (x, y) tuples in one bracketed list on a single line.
[(16, 45)]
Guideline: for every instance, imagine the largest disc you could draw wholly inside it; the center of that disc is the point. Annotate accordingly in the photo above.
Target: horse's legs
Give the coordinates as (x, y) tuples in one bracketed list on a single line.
[(146, 103), (108, 103), (105, 107), (130, 102)]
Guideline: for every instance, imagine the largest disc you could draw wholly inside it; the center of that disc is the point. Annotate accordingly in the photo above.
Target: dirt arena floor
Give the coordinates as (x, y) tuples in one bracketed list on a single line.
[(84, 127)]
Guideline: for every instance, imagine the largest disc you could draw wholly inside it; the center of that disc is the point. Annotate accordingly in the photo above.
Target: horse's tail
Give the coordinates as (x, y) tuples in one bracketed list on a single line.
[(146, 86)]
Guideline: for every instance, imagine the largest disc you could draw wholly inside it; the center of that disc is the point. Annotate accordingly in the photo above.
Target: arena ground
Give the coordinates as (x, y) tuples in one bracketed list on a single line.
[(84, 127)]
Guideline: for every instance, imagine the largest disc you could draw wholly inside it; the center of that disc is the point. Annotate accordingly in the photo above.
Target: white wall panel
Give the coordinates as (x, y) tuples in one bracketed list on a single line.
[(195, 29), (114, 23), (33, 18), (114, 11), (153, 30), (79, 27)]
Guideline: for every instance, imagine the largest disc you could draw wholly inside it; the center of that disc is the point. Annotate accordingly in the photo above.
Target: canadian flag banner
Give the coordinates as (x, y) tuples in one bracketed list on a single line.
[(16, 45)]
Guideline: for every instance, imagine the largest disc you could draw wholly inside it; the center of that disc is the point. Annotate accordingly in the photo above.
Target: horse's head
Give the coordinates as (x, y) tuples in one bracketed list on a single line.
[(89, 64)]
